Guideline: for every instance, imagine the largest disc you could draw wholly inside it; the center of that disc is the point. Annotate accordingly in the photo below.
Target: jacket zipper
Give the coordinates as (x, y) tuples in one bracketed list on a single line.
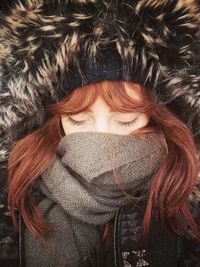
[(115, 238), (20, 240)]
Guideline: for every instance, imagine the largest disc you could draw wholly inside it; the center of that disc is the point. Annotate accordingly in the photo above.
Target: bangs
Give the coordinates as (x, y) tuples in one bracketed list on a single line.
[(112, 92)]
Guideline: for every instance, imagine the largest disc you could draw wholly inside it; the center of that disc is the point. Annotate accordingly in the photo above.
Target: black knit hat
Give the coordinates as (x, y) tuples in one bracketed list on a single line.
[(107, 67), (50, 47)]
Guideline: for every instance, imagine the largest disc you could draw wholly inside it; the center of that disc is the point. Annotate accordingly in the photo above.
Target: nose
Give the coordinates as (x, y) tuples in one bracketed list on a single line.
[(102, 125)]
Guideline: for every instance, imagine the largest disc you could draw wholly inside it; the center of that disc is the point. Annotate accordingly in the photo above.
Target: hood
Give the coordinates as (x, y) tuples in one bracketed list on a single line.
[(41, 41)]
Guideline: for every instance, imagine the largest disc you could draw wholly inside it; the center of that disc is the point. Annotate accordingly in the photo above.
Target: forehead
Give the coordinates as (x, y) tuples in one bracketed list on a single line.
[(135, 93)]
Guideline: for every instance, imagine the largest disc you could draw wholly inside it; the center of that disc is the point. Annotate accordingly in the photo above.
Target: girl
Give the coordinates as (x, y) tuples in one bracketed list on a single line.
[(105, 130), (100, 112)]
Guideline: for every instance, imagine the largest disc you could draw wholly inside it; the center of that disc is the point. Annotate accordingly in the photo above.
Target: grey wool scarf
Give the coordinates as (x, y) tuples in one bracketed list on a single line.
[(82, 194)]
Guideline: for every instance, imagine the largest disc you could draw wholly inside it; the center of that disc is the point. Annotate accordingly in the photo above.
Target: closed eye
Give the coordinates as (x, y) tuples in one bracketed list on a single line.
[(73, 122), (128, 123), (123, 124)]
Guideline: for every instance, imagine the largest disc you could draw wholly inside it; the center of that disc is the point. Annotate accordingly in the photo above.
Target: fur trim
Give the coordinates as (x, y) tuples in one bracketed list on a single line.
[(40, 39)]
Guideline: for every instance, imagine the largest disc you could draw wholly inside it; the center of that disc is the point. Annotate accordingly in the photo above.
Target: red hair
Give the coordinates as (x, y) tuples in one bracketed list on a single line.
[(170, 187)]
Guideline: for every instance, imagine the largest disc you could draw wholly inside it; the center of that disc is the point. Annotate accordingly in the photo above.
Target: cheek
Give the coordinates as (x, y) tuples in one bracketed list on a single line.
[(143, 120), (67, 127)]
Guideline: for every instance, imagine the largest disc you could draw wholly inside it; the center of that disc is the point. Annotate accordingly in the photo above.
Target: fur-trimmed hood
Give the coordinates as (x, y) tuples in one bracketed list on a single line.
[(41, 39)]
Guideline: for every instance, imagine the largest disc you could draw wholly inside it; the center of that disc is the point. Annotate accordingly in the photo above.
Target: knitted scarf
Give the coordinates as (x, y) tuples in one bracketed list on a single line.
[(82, 192)]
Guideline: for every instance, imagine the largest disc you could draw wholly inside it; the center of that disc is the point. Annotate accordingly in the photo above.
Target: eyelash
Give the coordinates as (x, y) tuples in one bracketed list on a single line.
[(123, 124), (128, 124)]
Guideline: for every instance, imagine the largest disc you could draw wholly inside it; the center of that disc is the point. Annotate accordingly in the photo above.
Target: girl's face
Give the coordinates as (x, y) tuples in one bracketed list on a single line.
[(100, 118)]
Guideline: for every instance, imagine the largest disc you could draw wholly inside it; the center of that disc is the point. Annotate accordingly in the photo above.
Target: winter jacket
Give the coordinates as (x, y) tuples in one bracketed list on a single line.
[(163, 247)]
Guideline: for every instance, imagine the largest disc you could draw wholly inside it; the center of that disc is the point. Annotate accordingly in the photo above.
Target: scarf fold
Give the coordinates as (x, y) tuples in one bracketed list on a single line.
[(82, 193)]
